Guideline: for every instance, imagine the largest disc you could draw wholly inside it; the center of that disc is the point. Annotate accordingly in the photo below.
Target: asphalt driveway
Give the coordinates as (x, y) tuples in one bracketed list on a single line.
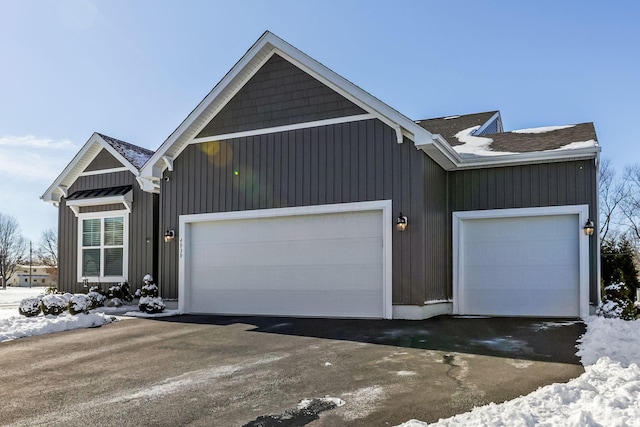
[(236, 371)]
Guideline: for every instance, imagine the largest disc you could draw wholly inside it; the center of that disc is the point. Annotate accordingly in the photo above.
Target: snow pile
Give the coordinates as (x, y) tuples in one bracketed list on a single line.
[(614, 338), (20, 327), (607, 394)]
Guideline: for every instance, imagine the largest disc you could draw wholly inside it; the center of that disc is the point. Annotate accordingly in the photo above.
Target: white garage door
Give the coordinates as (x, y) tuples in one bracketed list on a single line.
[(521, 266), (328, 264)]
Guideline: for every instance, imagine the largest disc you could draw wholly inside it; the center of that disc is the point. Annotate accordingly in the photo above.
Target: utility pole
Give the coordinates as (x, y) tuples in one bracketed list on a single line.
[(30, 252)]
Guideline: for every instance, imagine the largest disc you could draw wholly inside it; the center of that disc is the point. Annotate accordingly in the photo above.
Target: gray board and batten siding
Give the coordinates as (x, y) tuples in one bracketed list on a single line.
[(143, 229), (279, 94), (340, 163), (527, 186)]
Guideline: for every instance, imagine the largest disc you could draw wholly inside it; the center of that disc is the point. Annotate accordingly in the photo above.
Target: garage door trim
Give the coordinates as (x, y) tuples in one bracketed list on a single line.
[(459, 218), (384, 206)]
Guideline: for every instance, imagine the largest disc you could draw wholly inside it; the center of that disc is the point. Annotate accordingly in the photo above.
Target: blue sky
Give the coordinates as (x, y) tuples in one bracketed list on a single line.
[(134, 69)]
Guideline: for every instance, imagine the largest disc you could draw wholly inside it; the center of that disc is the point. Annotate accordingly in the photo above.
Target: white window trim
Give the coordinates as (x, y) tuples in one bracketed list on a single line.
[(581, 211), (125, 250)]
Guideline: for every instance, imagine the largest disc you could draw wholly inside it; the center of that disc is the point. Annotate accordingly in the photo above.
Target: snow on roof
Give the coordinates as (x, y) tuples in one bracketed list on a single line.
[(475, 145), (544, 129), (137, 156)]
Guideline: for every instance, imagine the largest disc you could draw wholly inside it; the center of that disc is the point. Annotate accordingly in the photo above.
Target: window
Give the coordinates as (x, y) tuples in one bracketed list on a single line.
[(102, 248)]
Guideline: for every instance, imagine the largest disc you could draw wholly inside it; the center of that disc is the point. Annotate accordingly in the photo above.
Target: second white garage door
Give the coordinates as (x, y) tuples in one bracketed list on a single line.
[(519, 266), (326, 265)]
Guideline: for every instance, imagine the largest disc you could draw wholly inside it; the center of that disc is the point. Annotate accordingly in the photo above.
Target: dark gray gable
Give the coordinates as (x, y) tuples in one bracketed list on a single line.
[(279, 94), (104, 160)]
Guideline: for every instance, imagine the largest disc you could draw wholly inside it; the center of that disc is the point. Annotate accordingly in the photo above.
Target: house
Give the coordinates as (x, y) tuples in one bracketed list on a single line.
[(27, 275), (291, 191)]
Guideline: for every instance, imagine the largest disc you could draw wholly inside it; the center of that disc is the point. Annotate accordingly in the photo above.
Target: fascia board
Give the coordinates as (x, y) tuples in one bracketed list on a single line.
[(80, 161), (527, 158), (273, 44), (154, 166), (345, 88), (62, 179), (118, 156)]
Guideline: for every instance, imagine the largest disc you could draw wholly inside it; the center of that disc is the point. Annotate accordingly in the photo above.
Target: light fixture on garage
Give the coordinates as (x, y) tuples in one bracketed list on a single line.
[(169, 235), (588, 228), (401, 222)]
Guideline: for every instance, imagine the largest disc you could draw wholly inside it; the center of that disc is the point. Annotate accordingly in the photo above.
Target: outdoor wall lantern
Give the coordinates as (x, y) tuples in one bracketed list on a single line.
[(169, 235), (85, 281), (401, 222), (588, 228)]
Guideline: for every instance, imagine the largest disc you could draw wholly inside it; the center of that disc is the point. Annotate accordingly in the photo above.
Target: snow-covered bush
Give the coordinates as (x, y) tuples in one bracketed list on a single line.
[(79, 303), (120, 291), (30, 307), (51, 290), (114, 302), (96, 299), (616, 302), (150, 302), (54, 304)]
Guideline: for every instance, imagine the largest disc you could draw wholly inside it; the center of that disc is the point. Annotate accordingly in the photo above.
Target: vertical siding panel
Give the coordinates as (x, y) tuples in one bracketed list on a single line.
[(364, 157), (311, 135), (300, 168), (339, 159), (271, 163), (322, 165), (330, 165), (355, 159)]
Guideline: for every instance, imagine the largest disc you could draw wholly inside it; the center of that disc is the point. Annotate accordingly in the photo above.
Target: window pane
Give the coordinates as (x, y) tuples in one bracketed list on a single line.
[(91, 262), (114, 231), (91, 232), (113, 262)]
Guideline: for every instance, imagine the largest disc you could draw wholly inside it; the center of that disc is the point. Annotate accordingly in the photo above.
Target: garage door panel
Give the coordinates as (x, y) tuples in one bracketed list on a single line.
[(515, 253), (297, 303), (325, 277), (520, 266), (292, 228), (536, 303), (305, 252), (303, 265)]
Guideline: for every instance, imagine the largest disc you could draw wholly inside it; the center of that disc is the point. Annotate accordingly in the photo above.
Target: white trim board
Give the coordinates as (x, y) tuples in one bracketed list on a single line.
[(285, 128), (582, 211), (383, 205)]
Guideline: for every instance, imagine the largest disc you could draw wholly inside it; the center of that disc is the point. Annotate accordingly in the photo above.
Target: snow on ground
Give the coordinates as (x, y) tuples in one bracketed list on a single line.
[(607, 394), (13, 325)]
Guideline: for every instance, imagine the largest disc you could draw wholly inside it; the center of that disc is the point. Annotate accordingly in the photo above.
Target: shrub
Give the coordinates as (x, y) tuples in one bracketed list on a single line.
[(96, 299), (54, 304), (51, 290), (30, 307), (79, 303), (120, 291), (616, 302), (151, 305), (150, 302)]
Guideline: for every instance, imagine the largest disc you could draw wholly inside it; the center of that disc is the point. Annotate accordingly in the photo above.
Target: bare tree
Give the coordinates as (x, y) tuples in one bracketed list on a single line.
[(630, 203), (47, 251), (12, 247), (613, 193)]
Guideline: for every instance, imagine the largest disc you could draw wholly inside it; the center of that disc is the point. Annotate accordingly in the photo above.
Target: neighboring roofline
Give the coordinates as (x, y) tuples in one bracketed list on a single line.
[(266, 46), (487, 123), (81, 160)]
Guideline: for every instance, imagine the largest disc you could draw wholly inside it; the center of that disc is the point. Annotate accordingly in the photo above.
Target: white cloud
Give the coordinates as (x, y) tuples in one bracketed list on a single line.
[(33, 141), (28, 165), (32, 158)]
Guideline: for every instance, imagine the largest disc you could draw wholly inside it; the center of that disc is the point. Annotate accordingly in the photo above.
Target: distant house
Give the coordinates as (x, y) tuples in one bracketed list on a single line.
[(291, 191), (34, 275)]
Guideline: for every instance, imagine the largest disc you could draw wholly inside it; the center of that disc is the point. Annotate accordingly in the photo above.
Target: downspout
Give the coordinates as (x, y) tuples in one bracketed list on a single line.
[(597, 221)]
